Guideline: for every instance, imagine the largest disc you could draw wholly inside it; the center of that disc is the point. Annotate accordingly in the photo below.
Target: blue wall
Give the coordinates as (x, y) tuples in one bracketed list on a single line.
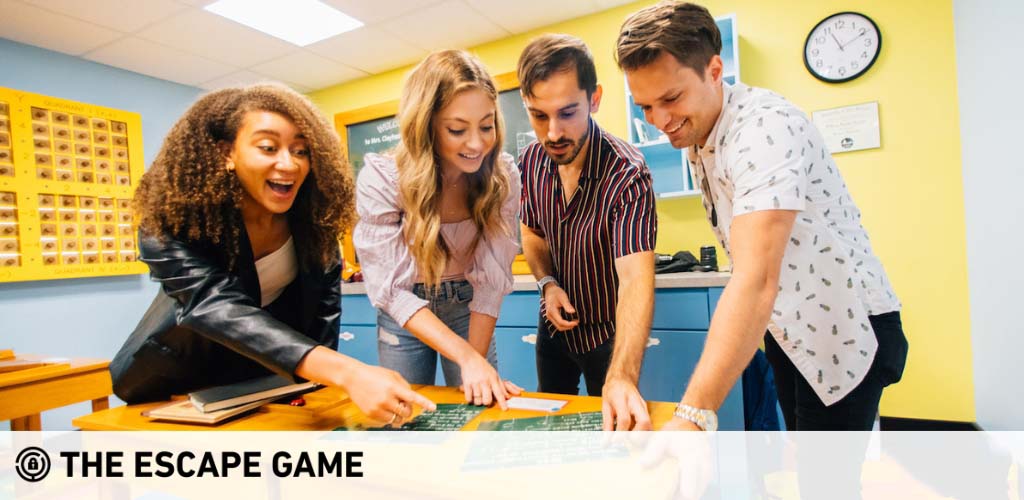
[(82, 317)]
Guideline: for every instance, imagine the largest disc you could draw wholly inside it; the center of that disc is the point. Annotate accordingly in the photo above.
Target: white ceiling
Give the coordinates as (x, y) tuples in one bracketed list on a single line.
[(177, 40)]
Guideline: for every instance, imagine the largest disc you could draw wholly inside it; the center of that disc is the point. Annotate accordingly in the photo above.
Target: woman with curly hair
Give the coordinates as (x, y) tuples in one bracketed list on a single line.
[(240, 217), (436, 231)]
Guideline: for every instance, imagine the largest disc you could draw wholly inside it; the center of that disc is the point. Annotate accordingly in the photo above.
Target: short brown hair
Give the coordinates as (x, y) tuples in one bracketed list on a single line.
[(685, 30), (550, 54)]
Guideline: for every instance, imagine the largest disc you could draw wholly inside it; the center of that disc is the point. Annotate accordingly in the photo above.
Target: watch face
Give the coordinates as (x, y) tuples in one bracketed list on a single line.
[(710, 421), (842, 47)]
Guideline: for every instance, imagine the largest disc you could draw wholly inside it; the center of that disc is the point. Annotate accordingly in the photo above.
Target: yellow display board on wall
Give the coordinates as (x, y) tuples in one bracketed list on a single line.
[(67, 174)]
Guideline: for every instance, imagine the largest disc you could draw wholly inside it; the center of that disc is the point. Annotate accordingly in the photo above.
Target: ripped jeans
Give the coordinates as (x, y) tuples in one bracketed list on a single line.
[(400, 350)]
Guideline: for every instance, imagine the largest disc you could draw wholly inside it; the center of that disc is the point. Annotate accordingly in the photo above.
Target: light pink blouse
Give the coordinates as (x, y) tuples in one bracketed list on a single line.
[(388, 269)]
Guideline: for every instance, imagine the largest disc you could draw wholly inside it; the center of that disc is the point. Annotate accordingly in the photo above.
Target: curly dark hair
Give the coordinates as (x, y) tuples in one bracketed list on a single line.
[(187, 194)]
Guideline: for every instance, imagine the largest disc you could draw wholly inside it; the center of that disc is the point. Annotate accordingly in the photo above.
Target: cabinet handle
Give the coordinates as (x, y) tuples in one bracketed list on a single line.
[(530, 339), (653, 341), (346, 336)]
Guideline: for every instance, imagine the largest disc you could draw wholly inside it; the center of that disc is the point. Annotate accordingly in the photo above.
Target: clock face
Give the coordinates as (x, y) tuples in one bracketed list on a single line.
[(842, 47)]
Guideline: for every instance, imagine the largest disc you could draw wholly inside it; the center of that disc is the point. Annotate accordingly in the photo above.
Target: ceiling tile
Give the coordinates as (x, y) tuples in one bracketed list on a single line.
[(245, 77), (118, 15), (525, 15), (217, 38), (234, 79), (308, 70), (449, 25), (369, 49), (608, 4), (148, 58), (370, 12), (35, 26)]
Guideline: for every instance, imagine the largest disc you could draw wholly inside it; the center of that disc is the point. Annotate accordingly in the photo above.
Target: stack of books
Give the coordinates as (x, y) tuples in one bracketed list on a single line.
[(213, 405)]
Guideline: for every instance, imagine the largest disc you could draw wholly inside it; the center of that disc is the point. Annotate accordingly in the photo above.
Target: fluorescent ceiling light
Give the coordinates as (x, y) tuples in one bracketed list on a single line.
[(300, 22)]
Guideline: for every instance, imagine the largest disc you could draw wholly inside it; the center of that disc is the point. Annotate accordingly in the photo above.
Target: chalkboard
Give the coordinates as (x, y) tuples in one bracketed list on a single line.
[(518, 131), (448, 417), (374, 136), (588, 421)]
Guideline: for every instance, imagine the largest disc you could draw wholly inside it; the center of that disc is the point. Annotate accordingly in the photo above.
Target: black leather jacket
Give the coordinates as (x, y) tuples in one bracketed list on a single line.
[(206, 327)]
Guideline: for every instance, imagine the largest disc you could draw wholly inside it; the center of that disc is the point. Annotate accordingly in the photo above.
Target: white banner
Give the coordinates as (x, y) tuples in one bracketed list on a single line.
[(514, 465)]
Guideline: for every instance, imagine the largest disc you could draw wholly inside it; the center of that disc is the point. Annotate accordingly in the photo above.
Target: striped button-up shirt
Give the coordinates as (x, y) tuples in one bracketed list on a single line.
[(610, 215)]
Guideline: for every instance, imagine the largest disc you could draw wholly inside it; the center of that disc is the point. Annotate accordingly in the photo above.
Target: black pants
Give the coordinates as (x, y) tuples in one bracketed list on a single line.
[(802, 408), (558, 369)]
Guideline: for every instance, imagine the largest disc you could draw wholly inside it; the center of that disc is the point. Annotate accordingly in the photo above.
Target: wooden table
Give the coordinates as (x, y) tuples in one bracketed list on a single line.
[(330, 408), (24, 394)]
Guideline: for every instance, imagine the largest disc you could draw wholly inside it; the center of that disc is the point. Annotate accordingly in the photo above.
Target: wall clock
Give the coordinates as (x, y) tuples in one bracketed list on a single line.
[(842, 47)]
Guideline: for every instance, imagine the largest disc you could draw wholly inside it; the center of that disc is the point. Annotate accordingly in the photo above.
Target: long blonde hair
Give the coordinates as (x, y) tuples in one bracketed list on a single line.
[(431, 86)]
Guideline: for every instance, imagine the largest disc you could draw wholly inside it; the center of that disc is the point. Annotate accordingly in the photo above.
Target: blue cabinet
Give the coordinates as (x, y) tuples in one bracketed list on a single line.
[(520, 309), (669, 361), (516, 355), (681, 309), (359, 342), (358, 335)]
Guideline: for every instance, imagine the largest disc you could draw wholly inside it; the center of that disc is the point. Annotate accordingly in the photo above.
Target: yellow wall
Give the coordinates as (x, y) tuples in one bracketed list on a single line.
[(910, 190)]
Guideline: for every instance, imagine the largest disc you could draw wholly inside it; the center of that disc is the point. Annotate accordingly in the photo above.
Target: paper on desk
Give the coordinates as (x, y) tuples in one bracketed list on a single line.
[(536, 404)]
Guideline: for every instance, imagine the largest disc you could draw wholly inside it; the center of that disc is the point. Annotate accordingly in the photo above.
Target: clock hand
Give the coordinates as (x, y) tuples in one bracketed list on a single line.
[(851, 41), (837, 42)]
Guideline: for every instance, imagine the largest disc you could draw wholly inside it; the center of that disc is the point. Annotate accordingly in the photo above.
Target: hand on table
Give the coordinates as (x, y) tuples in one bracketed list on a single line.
[(622, 407), (482, 385), (384, 395)]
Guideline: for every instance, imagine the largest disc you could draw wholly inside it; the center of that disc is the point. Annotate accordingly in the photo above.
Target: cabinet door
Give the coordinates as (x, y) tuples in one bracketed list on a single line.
[(669, 361), (520, 309), (681, 309), (517, 355), (713, 295), (359, 342), (357, 310)]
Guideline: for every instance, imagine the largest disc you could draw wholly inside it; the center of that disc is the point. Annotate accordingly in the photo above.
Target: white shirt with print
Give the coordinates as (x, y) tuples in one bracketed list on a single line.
[(764, 154)]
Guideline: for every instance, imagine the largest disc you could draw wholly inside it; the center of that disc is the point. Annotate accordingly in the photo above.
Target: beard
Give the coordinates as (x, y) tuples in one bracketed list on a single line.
[(575, 147)]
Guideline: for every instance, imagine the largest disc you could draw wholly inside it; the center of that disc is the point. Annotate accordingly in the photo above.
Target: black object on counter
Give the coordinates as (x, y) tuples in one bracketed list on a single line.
[(681, 262), (708, 258)]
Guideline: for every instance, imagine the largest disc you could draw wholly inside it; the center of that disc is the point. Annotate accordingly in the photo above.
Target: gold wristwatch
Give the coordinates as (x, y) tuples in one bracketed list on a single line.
[(705, 419)]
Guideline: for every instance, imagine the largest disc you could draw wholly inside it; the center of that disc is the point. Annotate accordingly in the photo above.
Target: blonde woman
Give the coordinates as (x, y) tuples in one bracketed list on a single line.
[(436, 236)]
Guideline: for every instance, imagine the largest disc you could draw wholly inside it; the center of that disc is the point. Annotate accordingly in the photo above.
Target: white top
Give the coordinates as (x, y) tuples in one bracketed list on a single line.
[(389, 272), (764, 154), (276, 271)]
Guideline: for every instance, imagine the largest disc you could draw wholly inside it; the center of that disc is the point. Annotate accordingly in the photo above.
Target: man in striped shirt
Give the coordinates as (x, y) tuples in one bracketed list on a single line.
[(589, 228)]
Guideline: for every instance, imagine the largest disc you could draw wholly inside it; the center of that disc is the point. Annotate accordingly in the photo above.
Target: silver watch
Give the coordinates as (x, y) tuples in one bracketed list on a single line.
[(544, 281), (705, 419)]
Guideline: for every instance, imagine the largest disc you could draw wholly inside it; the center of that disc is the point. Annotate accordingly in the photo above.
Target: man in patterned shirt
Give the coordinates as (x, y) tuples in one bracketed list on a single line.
[(589, 229), (803, 267)]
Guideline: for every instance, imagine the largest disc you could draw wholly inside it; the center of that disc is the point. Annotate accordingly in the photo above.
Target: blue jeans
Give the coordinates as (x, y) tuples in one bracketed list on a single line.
[(400, 350)]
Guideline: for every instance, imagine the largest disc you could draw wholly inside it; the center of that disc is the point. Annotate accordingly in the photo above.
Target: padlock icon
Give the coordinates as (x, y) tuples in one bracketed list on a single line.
[(33, 464)]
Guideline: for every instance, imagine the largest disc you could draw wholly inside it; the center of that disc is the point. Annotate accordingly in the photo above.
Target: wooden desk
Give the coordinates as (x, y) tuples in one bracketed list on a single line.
[(24, 394), (324, 412)]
